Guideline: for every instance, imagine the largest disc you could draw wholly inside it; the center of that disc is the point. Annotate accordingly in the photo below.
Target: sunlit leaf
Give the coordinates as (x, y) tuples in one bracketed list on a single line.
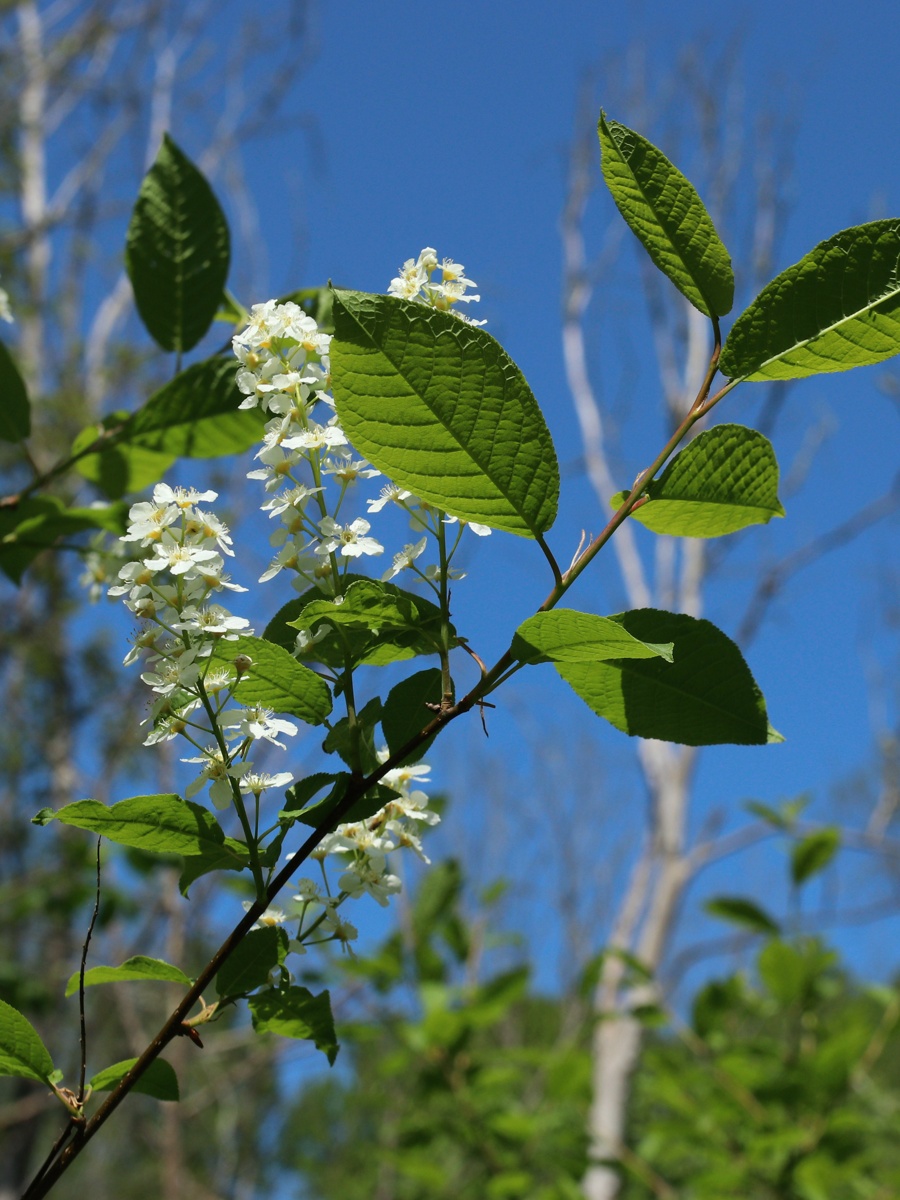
[(139, 967), (441, 408), (274, 679), (837, 308), (724, 480), (163, 824), (565, 636), (22, 1053), (158, 1080), (668, 217)]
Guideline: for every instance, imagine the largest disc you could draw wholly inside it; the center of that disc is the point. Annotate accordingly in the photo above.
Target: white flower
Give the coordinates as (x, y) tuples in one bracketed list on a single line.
[(480, 530), (217, 774), (307, 891), (341, 930), (5, 310), (287, 557), (257, 782), (174, 674), (390, 494), (213, 619), (316, 437), (349, 540), (271, 917), (257, 723), (182, 559), (369, 875), (405, 558), (183, 498), (347, 469)]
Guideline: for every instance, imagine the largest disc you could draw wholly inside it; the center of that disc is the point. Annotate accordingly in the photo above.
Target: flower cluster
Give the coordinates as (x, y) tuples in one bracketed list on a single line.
[(440, 285), (285, 371), (363, 847), (171, 587), (305, 456)]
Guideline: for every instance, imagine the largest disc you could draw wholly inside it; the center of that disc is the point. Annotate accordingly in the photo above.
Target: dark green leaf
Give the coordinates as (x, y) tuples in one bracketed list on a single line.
[(295, 1012), (740, 911), (177, 251), (22, 1053), (36, 524), (705, 697), (374, 624), (138, 967), (275, 679), (163, 824), (724, 480), (195, 415), (339, 740), (837, 308), (563, 635), (813, 854), (159, 1080), (668, 217), (441, 408), (300, 793), (406, 711), (372, 802), (250, 964), (15, 410), (231, 855)]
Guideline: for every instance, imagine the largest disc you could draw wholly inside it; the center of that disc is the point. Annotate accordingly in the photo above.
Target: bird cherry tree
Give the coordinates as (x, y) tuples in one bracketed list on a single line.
[(407, 397)]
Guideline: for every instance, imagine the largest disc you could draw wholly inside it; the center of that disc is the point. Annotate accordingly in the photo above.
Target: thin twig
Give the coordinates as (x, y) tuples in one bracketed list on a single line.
[(84, 954)]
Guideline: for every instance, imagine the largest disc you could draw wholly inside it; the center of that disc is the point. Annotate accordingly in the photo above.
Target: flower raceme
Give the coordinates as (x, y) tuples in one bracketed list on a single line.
[(175, 581)]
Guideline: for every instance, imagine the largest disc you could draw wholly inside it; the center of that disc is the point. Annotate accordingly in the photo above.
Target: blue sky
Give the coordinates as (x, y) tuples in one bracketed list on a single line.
[(448, 125)]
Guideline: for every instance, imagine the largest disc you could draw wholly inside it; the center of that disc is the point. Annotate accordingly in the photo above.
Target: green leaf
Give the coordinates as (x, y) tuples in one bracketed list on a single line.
[(122, 468), (22, 1053), (15, 410), (724, 480), (374, 624), (195, 415), (668, 217), (177, 251), (740, 911), (231, 855), (295, 1012), (566, 636), (790, 972), (300, 793), (159, 1080), (373, 801), (138, 967), (813, 854), (36, 524), (249, 965), (163, 824), (275, 679), (339, 740), (441, 408), (837, 308), (705, 697), (406, 713)]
